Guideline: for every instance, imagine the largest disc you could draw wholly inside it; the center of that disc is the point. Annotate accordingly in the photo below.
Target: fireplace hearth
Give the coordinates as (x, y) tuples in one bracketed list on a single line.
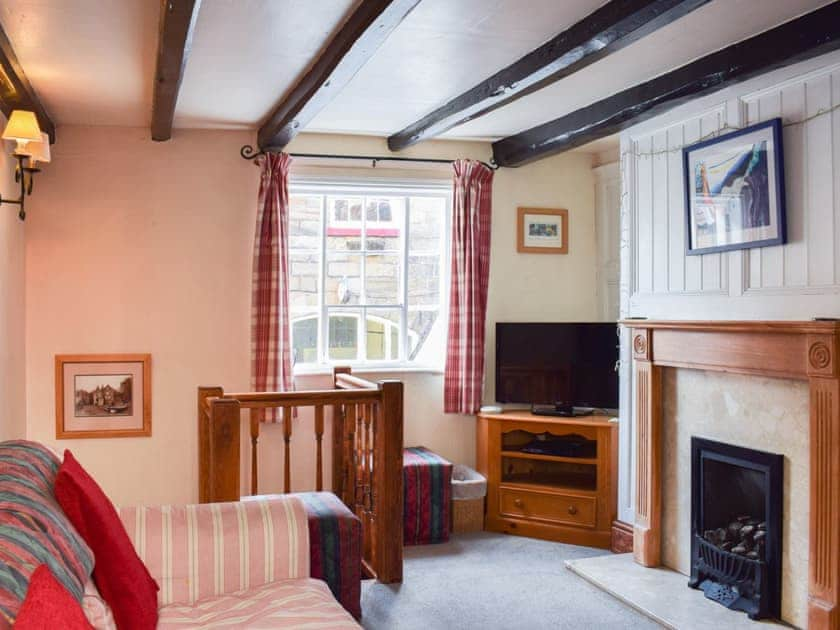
[(736, 516)]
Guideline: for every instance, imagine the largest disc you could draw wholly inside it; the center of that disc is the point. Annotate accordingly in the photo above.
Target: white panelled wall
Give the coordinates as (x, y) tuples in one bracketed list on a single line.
[(798, 280)]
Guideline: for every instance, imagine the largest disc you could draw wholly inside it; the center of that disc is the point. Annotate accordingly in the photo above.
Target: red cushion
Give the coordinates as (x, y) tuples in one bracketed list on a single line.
[(120, 575), (49, 605)]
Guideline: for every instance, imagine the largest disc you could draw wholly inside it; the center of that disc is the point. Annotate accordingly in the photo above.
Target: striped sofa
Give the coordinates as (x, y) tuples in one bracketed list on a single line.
[(226, 565), (244, 564)]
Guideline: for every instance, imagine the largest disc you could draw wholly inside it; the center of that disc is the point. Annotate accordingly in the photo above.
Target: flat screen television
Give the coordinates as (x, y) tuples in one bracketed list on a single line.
[(570, 363)]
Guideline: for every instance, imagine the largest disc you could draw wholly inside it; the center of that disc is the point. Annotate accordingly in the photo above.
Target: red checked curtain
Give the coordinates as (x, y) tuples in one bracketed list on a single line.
[(271, 366), (471, 201)]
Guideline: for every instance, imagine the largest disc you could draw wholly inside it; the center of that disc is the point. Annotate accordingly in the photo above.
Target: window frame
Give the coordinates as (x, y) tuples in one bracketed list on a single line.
[(382, 188)]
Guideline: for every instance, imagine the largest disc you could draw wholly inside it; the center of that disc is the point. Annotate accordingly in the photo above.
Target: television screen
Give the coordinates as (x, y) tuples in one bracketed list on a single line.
[(572, 363)]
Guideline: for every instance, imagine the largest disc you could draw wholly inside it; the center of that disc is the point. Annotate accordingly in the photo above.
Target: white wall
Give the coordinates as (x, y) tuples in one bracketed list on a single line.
[(607, 231), (12, 321), (798, 280), (136, 246)]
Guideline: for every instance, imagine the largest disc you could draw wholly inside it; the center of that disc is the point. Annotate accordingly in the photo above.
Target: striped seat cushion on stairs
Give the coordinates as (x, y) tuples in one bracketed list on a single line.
[(428, 488)]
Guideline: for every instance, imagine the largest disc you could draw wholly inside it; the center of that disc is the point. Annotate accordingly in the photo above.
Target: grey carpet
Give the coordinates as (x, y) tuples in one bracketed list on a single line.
[(488, 581)]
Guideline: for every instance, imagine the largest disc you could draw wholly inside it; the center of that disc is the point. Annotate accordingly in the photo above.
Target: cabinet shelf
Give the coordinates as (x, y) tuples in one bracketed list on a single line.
[(550, 458)]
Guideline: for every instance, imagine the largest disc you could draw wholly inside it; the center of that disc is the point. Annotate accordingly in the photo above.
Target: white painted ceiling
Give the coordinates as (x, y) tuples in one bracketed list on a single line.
[(92, 61)]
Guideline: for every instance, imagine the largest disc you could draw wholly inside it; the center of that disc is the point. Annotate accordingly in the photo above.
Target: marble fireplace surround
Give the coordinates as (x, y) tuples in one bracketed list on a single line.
[(806, 350)]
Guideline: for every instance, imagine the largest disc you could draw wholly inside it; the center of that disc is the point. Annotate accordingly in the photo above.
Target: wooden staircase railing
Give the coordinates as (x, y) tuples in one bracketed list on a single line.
[(366, 454)]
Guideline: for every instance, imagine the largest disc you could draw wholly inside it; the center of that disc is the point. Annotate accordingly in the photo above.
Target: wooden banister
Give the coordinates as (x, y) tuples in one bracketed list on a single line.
[(312, 398), (366, 453), (344, 380)]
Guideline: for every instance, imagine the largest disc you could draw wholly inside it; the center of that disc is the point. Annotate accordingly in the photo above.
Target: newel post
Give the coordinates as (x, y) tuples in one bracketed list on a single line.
[(647, 531), (223, 441), (824, 554), (388, 484), (204, 458)]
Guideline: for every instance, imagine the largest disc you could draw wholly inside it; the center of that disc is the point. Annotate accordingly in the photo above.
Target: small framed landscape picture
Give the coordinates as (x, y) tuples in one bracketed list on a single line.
[(103, 395), (735, 190), (542, 231)]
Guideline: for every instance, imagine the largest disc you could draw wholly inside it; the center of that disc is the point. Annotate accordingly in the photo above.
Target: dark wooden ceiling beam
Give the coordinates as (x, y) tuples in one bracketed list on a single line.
[(177, 22), (603, 32), (805, 37), (351, 47), (15, 90)]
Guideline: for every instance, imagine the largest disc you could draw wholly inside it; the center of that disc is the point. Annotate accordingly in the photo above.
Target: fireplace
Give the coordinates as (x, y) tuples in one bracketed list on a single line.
[(736, 521)]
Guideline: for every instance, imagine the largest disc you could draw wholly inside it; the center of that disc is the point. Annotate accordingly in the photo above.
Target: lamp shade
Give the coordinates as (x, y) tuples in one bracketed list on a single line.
[(22, 126), (40, 151)]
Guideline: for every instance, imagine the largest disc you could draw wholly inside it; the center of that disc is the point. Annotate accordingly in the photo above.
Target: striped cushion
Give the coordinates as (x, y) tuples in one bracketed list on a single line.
[(427, 489), (33, 529), (200, 551), (299, 604)]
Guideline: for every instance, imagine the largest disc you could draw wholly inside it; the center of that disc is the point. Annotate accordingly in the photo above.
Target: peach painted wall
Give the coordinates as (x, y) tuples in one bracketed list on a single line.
[(12, 320), (136, 246)]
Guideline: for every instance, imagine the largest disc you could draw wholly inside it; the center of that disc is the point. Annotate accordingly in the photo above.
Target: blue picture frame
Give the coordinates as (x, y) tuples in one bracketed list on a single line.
[(735, 190)]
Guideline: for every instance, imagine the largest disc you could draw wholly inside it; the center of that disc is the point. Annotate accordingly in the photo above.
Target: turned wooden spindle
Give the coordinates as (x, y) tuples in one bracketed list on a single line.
[(287, 449), (319, 457), (255, 437), (350, 412)]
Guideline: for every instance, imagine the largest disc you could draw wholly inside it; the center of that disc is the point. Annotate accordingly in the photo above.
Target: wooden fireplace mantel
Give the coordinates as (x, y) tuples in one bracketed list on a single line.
[(803, 350)]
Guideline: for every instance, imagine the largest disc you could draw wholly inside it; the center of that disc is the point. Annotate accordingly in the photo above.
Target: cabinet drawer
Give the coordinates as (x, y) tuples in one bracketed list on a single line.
[(561, 508)]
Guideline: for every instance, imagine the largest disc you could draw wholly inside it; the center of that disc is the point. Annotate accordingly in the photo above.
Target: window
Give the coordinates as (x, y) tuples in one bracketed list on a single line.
[(367, 273)]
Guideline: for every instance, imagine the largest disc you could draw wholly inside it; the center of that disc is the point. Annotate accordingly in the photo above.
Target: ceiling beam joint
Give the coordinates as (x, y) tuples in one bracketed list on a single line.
[(808, 36), (351, 47), (610, 28)]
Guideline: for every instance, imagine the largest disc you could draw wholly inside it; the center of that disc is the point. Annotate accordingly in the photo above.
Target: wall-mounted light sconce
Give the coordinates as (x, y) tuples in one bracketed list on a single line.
[(32, 146)]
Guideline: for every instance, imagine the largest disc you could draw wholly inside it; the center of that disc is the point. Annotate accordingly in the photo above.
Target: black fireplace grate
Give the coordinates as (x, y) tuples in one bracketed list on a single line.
[(730, 579)]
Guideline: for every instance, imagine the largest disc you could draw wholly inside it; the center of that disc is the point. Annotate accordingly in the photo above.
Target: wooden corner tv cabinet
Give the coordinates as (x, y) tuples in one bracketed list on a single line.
[(549, 477)]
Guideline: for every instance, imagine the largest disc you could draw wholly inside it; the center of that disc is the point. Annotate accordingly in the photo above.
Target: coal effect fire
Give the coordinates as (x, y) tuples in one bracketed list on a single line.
[(743, 536)]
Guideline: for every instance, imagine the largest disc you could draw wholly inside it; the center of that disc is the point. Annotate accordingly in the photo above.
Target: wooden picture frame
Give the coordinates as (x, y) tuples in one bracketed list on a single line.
[(542, 231), (103, 395)]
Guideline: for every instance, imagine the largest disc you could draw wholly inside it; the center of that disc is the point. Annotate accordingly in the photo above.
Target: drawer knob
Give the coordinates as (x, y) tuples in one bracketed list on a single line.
[(518, 503), (573, 510)]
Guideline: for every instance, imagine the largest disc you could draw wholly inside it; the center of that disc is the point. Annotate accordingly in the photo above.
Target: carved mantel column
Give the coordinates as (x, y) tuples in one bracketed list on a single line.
[(647, 539), (824, 552)]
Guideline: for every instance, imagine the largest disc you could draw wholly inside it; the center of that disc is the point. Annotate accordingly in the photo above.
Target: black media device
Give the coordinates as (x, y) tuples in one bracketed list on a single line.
[(563, 369)]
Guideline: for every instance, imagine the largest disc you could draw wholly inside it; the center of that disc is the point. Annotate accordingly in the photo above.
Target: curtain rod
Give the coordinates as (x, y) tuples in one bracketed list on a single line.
[(248, 152)]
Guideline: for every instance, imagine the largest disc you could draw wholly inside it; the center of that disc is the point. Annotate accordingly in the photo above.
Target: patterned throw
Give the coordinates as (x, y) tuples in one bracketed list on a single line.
[(335, 536), (298, 604), (33, 529), (200, 551), (428, 489)]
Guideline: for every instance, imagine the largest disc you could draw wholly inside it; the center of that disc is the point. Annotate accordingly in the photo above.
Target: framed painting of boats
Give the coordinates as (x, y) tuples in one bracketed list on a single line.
[(103, 395), (735, 190)]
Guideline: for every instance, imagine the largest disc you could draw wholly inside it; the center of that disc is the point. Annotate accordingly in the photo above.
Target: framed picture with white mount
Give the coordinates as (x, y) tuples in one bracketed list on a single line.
[(103, 395), (542, 231), (735, 190)]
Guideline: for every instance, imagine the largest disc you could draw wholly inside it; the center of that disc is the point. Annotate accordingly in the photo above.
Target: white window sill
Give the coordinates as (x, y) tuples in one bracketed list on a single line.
[(395, 368)]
